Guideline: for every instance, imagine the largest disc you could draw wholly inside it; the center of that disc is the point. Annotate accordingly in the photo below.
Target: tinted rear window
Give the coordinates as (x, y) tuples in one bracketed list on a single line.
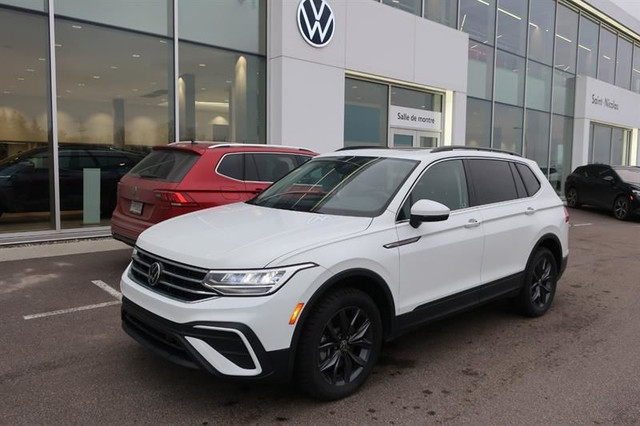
[(164, 164), (530, 182), (493, 181)]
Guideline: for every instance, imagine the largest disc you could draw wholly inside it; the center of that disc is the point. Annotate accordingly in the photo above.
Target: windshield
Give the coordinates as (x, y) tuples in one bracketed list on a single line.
[(629, 175), (349, 186)]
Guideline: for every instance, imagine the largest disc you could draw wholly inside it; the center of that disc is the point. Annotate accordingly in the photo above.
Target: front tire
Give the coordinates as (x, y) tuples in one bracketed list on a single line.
[(540, 284), (621, 208), (339, 345), (572, 198)]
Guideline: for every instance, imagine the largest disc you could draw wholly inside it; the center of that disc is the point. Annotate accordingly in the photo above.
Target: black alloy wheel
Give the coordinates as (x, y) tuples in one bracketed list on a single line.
[(339, 344), (540, 284), (621, 208), (572, 198)]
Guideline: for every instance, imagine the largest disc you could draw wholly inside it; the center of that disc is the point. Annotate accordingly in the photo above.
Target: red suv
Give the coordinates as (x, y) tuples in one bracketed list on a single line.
[(183, 177)]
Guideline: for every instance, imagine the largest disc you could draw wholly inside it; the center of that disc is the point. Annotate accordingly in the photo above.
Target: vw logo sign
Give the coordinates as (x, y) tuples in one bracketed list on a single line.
[(154, 273), (316, 22)]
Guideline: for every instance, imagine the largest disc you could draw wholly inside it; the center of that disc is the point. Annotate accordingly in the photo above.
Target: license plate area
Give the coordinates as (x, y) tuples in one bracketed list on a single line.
[(136, 207)]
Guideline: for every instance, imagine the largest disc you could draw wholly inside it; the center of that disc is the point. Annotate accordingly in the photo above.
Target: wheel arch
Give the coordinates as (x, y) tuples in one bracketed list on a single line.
[(552, 243)]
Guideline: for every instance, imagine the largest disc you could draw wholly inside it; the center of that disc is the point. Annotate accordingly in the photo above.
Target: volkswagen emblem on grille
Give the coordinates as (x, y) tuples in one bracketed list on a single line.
[(154, 273), (316, 22)]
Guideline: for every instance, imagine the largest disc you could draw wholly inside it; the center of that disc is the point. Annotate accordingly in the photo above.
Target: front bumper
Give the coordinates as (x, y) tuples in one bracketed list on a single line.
[(221, 348)]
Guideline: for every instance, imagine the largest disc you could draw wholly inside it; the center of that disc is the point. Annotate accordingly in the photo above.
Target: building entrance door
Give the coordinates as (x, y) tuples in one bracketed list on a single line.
[(402, 138)]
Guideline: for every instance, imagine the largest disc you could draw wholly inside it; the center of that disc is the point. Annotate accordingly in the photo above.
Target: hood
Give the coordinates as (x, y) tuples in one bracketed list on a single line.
[(239, 236)]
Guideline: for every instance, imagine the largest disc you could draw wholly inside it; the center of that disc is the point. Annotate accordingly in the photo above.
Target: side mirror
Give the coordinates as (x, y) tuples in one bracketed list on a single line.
[(428, 211)]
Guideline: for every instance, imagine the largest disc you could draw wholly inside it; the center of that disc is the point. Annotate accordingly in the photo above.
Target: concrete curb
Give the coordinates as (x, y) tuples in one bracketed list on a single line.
[(60, 248)]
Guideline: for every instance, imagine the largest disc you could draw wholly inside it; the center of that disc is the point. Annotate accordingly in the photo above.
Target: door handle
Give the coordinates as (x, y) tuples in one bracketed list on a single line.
[(473, 223), (530, 211)]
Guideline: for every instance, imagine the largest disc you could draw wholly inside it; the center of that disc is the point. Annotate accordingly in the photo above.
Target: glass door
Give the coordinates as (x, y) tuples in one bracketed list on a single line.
[(401, 138)]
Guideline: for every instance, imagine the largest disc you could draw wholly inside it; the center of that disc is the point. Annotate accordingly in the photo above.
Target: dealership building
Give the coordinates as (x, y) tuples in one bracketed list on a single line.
[(557, 81)]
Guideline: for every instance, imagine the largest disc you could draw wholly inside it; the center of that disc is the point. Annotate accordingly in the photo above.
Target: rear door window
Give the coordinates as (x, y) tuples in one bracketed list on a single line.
[(169, 165), (492, 181)]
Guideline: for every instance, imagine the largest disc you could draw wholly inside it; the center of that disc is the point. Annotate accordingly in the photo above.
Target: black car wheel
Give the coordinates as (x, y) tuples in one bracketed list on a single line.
[(540, 284), (621, 208), (572, 198), (339, 345)]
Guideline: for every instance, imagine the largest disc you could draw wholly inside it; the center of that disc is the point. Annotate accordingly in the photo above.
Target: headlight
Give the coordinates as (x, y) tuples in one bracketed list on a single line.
[(252, 283), (636, 193)]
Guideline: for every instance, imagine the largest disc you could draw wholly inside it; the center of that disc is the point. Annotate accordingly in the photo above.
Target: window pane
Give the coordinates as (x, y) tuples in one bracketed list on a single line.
[(365, 113), (445, 183), (538, 86), (271, 167), (477, 18), (25, 185), (478, 123), (27, 4), (635, 74), (606, 61), (619, 146), (493, 181), (566, 37), (234, 24), (536, 136), (118, 96), (221, 95), (509, 79), (623, 64), (507, 128), (563, 92), (480, 75), (411, 6), (600, 144), (529, 179), (152, 16), (512, 25), (442, 11), (415, 99), (561, 145), (541, 24), (588, 47)]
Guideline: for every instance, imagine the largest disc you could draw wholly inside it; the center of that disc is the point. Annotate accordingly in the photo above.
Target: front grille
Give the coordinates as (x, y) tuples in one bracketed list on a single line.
[(179, 281)]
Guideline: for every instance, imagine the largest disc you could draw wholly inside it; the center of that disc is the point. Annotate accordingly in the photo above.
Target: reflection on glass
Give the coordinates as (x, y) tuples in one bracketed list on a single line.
[(600, 144), (152, 16), (27, 4), (233, 24), (221, 96), (623, 63), (365, 113), (588, 47), (619, 146), (480, 75), (635, 72), (415, 99), (402, 141), (478, 123), (477, 18), (442, 11), (25, 169), (538, 86), (113, 100), (536, 138), (561, 146), (512, 25), (566, 37), (541, 24), (606, 61), (411, 6), (507, 128), (564, 86), (509, 79)]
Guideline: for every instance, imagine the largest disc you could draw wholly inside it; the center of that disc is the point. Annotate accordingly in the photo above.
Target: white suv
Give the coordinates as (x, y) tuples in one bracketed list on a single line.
[(308, 279)]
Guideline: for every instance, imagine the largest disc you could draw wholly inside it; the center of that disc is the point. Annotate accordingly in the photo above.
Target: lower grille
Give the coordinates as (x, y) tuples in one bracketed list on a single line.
[(176, 280)]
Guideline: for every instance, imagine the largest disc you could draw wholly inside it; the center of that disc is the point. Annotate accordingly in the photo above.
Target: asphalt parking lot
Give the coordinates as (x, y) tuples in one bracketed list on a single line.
[(65, 360)]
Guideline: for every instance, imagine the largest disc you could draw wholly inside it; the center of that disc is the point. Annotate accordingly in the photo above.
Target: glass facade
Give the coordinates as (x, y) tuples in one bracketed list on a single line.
[(119, 92)]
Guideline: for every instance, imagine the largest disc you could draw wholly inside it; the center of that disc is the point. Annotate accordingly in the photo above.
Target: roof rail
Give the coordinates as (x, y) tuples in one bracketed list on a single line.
[(256, 145), (472, 148), (349, 148)]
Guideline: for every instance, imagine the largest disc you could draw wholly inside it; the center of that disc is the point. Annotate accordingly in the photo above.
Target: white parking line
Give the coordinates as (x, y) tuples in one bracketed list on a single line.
[(106, 287), (581, 224), (67, 311)]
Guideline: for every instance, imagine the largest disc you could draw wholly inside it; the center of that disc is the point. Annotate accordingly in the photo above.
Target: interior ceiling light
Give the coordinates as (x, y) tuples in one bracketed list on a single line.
[(97, 77), (77, 27), (606, 57), (30, 70), (484, 2), (563, 38), (513, 15), (584, 47), (534, 25), (163, 41), (20, 78), (41, 59), (6, 92), (113, 67), (80, 84), (58, 45), (135, 55), (229, 82), (202, 65)]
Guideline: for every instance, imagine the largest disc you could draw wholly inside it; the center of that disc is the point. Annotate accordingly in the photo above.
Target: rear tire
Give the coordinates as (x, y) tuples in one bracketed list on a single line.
[(539, 288), (572, 198), (621, 209), (339, 345)]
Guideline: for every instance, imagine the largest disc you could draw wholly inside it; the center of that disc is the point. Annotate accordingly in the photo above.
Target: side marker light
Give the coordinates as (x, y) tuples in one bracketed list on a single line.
[(296, 313)]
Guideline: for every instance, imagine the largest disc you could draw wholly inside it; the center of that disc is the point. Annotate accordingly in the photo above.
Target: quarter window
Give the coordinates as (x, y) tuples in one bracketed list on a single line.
[(443, 182), (232, 166), (492, 181), (530, 181)]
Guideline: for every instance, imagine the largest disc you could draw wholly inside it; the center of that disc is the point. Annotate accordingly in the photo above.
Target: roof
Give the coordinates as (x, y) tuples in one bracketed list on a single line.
[(426, 154), (202, 146)]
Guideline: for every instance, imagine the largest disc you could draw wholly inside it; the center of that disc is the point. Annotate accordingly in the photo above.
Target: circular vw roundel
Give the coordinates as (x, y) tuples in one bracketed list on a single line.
[(155, 270), (316, 22)]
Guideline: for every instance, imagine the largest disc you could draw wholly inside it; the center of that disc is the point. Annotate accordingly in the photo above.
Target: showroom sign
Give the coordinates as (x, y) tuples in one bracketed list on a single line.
[(415, 119), (316, 22)]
